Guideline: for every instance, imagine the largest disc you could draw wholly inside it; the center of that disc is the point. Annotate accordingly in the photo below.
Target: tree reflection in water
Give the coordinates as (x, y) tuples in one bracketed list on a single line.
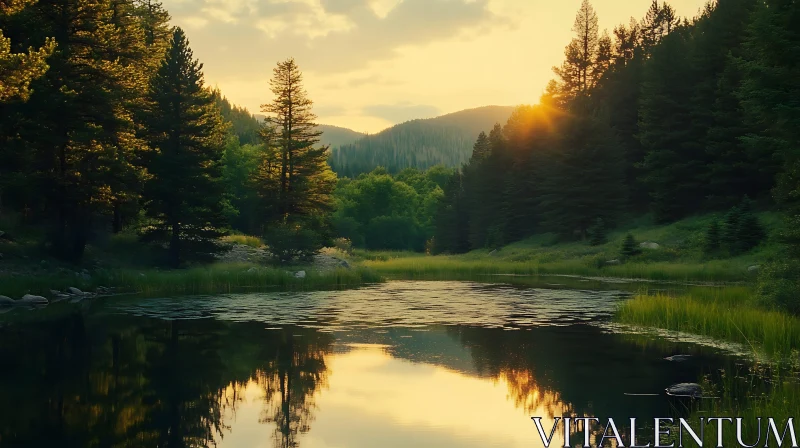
[(70, 382)]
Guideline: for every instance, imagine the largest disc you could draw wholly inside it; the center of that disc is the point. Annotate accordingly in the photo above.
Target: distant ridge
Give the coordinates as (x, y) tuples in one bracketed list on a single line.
[(420, 143), (331, 135)]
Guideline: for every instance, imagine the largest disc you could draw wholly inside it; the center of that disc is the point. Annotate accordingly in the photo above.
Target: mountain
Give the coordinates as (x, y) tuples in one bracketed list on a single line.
[(336, 136), (446, 140), (331, 135)]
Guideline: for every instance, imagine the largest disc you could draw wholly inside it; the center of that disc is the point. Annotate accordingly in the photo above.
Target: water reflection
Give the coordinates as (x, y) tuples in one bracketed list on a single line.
[(114, 379)]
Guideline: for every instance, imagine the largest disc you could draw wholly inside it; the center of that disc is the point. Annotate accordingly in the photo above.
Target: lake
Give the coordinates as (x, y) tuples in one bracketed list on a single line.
[(399, 364)]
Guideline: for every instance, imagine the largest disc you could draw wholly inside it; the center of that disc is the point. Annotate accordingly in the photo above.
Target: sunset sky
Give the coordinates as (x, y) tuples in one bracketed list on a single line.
[(369, 64)]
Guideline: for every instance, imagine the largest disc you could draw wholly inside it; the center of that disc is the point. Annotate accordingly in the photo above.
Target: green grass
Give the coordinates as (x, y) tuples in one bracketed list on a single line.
[(246, 240), (679, 257), (217, 278), (724, 313), (464, 268), (756, 393)]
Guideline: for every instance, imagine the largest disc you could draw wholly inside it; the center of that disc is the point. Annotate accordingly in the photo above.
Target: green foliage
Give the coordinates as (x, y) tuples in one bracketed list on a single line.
[(417, 144), (289, 242), (344, 245), (245, 240), (295, 182), (741, 231), (779, 283), (629, 247), (726, 313), (184, 192), (381, 211)]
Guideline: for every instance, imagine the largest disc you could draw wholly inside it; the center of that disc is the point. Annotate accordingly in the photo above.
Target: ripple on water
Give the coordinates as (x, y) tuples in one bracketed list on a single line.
[(410, 304)]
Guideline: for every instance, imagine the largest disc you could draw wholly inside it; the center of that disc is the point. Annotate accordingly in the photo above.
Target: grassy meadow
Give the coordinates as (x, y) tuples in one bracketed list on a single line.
[(211, 279)]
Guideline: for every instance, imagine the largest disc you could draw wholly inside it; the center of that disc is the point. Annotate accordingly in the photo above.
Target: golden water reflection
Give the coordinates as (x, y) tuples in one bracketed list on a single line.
[(373, 399)]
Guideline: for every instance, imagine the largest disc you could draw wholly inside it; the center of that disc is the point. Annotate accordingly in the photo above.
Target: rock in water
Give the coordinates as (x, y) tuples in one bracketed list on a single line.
[(300, 274), (6, 301), (344, 264), (753, 268), (685, 390), (30, 299), (612, 262), (678, 358), (649, 245), (75, 291)]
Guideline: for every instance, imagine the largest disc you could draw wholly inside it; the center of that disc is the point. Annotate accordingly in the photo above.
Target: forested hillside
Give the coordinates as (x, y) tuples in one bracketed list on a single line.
[(332, 136), (445, 140), (669, 116)]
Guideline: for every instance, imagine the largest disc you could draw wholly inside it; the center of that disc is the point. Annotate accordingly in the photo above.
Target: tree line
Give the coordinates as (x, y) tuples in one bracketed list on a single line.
[(106, 123), (664, 115)]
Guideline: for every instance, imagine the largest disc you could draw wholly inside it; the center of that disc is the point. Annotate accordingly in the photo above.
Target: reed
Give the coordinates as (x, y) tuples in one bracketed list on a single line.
[(461, 268), (724, 313)]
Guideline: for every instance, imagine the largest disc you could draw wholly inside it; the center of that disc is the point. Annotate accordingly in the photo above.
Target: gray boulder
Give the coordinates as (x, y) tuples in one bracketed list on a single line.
[(612, 262), (75, 291), (344, 264), (6, 301), (252, 270), (692, 390), (300, 274), (649, 245), (754, 268), (30, 299), (678, 358)]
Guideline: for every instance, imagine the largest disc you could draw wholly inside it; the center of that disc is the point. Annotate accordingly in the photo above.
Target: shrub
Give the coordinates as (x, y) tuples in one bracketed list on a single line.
[(289, 242), (629, 246), (344, 245), (779, 285)]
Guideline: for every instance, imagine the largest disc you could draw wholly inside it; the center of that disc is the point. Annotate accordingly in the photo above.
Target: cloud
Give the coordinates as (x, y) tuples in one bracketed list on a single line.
[(325, 36), (398, 113)]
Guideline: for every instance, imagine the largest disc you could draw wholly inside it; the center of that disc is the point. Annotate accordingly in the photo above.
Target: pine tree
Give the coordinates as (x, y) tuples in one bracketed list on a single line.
[(579, 72), (17, 70), (730, 230), (184, 192), (582, 179), (298, 180), (629, 247), (73, 159), (675, 163), (749, 232)]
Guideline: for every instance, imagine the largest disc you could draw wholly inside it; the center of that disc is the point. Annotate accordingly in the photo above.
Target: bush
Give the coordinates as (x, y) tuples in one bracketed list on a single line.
[(779, 285), (344, 245), (630, 247), (742, 230), (289, 242)]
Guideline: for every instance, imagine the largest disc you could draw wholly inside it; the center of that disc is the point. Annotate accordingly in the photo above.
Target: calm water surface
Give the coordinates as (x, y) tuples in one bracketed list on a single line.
[(401, 364)]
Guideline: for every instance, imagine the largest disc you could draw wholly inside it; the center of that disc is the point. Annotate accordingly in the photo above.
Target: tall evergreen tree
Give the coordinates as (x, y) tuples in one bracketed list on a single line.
[(72, 159), (184, 192), (579, 72), (297, 179), (675, 162)]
